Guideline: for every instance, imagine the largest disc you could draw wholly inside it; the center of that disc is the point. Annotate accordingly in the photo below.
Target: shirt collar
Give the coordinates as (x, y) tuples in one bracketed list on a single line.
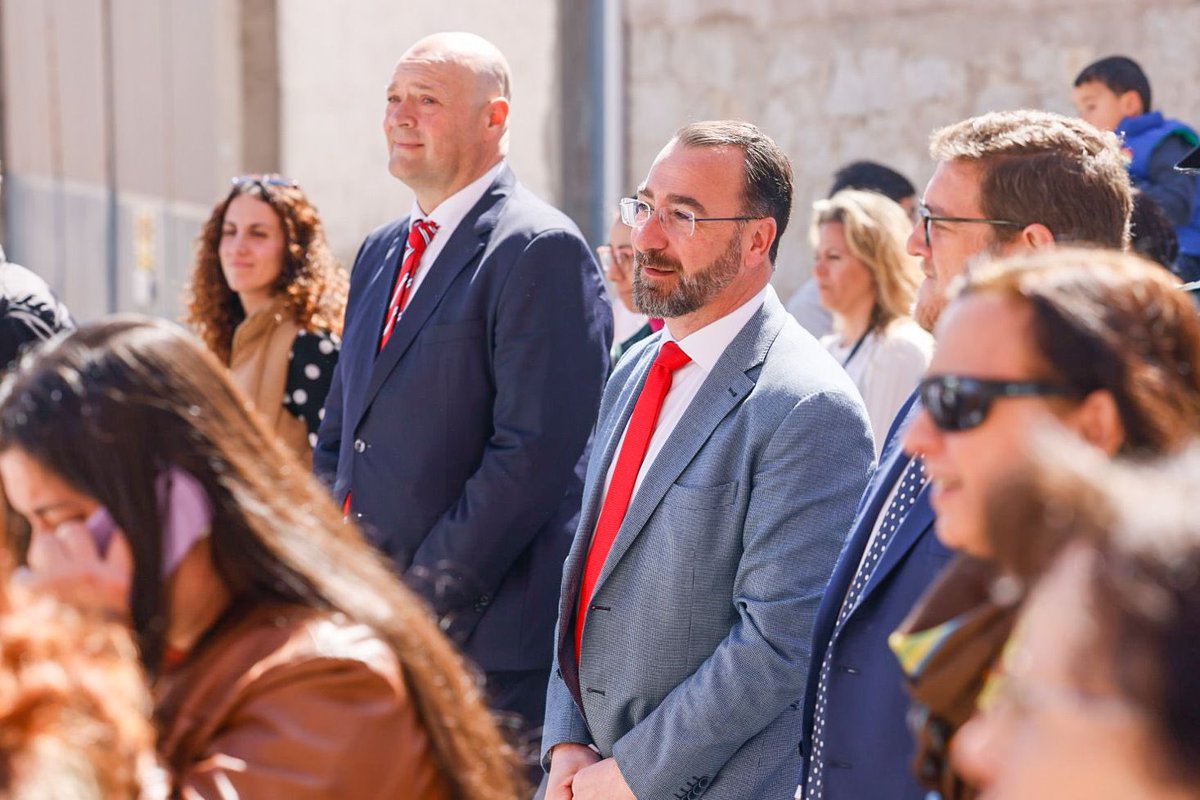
[(706, 345), (451, 211)]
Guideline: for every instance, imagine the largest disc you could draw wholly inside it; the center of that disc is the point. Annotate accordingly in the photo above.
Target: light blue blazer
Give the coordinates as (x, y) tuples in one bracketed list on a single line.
[(696, 645)]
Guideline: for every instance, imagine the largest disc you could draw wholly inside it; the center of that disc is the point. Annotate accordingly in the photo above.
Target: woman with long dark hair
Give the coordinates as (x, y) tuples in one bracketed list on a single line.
[(285, 658)]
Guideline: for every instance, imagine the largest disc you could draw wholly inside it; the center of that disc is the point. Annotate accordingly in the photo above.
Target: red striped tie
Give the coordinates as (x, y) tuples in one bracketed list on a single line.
[(419, 236), (629, 463)]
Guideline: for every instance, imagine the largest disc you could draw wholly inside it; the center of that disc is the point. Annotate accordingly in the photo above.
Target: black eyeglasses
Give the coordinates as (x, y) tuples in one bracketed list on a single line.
[(928, 219), (957, 403), (263, 180)]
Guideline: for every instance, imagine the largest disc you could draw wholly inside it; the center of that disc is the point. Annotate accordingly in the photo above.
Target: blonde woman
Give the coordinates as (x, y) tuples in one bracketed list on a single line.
[(868, 282)]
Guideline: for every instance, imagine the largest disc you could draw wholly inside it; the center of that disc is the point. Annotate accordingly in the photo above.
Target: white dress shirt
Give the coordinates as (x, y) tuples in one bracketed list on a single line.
[(448, 215), (704, 347)]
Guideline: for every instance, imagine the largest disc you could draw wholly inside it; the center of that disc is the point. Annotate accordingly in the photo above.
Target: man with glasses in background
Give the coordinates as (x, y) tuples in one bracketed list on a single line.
[(630, 326), (1005, 182), (728, 457), (456, 430)]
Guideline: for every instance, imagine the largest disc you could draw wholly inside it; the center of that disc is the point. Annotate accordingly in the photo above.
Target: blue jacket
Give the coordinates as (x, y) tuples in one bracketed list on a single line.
[(1143, 135), (464, 441), (868, 745)]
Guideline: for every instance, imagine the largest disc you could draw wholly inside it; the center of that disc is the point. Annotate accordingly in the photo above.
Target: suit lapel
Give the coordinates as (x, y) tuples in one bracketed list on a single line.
[(377, 296), (918, 519), (610, 437), (465, 244), (726, 386), (847, 566)]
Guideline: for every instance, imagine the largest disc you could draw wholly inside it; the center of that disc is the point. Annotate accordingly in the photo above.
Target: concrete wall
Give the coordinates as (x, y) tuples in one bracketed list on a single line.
[(833, 82), (336, 60), (123, 120)]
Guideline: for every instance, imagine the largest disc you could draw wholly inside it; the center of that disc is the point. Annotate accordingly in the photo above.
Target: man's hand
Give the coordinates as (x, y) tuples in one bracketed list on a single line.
[(566, 760), (601, 781)]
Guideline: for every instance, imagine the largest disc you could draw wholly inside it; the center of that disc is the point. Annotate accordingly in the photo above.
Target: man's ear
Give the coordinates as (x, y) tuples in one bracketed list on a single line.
[(1098, 421), (496, 112), (762, 236), (1037, 236)]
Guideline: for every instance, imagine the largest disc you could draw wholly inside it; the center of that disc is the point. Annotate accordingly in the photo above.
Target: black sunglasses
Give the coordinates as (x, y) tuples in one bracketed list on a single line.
[(957, 403)]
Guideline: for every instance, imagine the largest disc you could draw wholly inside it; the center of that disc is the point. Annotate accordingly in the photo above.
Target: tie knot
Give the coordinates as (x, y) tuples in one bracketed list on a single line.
[(671, 357), (420, 233)]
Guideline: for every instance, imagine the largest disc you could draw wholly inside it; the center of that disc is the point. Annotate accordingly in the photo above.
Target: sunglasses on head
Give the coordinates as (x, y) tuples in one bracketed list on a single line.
[(957, 403), (263, 181)]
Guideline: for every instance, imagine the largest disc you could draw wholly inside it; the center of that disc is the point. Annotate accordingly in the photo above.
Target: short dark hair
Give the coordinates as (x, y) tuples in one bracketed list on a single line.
[(871, 176), (1120, 74), (1039, 167), (768, 172), (1151, 231)]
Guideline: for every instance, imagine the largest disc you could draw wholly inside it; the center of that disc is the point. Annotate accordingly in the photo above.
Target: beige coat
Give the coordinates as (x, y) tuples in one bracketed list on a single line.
[(258, 361)]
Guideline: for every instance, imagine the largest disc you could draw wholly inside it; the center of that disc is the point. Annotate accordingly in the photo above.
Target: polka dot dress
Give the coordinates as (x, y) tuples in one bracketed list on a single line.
[(310, 372)]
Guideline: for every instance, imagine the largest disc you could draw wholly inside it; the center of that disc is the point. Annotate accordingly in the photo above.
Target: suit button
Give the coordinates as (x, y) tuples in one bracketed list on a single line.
[(359, 445)]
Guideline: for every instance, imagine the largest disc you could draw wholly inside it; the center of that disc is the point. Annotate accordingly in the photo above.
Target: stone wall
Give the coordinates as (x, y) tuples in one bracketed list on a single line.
[(835, 81)]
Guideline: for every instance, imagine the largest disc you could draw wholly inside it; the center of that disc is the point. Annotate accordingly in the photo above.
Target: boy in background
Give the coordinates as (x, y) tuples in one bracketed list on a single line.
[(1114, 94)]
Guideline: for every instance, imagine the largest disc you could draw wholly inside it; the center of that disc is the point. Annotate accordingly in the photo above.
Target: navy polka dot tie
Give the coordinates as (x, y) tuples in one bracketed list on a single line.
[(911, 483)]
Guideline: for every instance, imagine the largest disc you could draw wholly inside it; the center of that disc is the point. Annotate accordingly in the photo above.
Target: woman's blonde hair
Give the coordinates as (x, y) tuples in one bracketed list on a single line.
[(875, 228)]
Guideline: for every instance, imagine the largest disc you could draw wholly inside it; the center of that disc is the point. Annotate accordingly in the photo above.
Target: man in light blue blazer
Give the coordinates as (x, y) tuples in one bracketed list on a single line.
[(710, 523)]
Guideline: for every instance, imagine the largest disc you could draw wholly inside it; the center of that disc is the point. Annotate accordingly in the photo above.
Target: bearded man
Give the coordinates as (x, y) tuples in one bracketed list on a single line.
[(730, 453)]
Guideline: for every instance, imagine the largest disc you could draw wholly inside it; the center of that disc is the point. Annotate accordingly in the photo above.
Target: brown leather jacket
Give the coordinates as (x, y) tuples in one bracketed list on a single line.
[(288, 702)]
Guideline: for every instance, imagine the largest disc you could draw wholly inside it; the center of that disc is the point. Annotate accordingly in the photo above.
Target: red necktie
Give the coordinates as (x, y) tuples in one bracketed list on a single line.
[(419, 236), (629, 462)]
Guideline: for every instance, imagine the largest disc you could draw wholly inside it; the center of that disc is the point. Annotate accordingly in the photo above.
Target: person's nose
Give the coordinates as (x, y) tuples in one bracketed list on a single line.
[(976, 750), (820, 268), (922, 437), (915, 245), (398, 114), (650, 235)]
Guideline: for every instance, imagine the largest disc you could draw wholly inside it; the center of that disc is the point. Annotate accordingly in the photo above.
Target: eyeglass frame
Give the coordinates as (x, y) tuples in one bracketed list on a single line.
[(608, 251), (681, 216), (992, 390), (926, 219)]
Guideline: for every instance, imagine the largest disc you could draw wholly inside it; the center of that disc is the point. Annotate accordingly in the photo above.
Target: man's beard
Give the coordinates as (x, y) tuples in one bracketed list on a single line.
[(691, 292)]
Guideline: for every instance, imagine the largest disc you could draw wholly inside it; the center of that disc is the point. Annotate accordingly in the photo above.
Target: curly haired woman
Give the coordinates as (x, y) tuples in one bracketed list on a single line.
[(267, 297)]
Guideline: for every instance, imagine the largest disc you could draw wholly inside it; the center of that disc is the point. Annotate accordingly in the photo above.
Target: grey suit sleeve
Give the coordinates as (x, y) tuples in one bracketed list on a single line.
[(564, 723), (807, 484)]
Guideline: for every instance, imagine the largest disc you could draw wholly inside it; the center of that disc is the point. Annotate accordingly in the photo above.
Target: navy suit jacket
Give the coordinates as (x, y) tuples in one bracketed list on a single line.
[(464, 441), (868, 746)]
